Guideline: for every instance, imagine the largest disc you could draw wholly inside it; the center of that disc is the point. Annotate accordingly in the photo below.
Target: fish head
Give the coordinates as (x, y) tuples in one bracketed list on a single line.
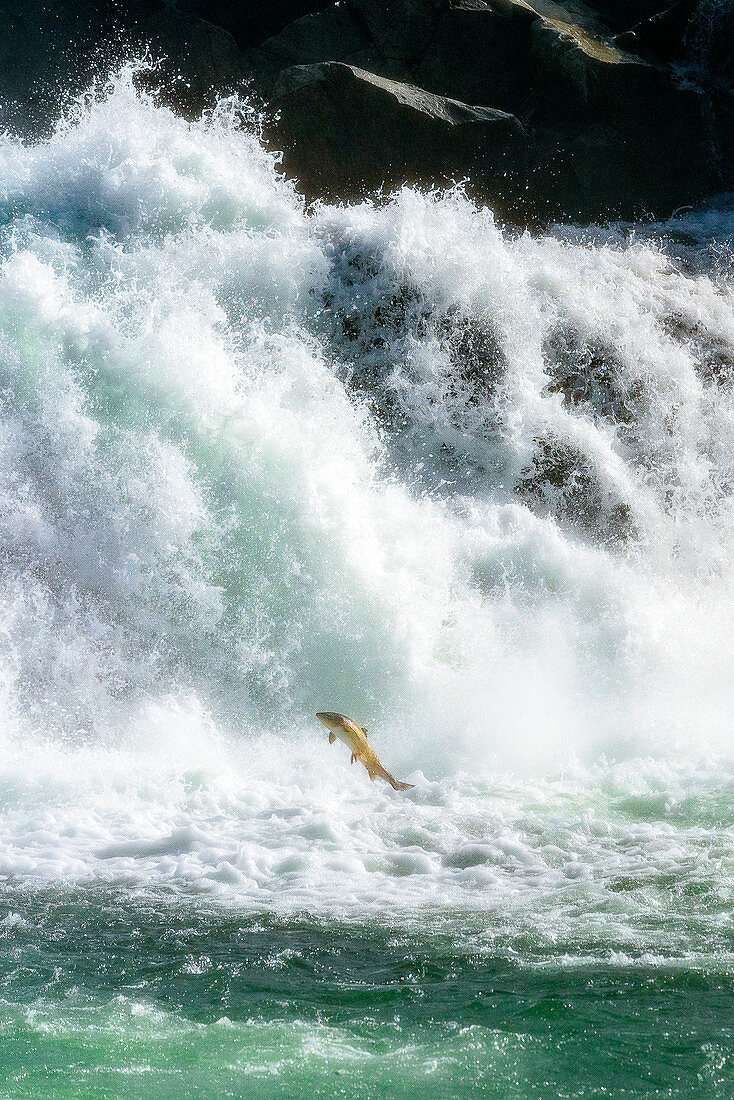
[(331, 720)]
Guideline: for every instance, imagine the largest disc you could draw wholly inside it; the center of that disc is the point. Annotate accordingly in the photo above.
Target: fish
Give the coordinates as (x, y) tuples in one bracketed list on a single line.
[(355, 737)]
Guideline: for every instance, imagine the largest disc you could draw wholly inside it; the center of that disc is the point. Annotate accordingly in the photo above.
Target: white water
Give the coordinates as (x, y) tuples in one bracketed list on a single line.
[(258, 461)]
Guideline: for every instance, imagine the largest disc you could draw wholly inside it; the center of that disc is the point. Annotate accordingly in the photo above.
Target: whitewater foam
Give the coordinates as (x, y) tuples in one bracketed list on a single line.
[(260, 460)]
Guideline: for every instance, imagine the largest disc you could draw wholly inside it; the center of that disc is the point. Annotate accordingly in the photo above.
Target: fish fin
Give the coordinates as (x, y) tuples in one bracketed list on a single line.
[(332, 738), (364, 729), (398, 786), (354, 757), (395, 783), (373, 776)]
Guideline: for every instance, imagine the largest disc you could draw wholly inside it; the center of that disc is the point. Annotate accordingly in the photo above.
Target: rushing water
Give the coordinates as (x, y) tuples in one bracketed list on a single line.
[(475, 489)]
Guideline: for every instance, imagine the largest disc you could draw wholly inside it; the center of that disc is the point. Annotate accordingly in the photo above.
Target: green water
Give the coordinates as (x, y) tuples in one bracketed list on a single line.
[(474, 489), (103, 997)]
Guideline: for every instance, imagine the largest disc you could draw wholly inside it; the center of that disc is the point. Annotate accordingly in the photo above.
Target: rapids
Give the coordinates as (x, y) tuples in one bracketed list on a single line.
[(472, 487)]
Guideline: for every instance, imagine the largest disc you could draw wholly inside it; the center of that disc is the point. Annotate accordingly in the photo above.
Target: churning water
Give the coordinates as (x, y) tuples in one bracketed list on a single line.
[(474, 488)]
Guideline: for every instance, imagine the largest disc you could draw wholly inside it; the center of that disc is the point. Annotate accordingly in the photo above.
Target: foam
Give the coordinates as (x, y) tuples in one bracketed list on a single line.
[(259, 461)]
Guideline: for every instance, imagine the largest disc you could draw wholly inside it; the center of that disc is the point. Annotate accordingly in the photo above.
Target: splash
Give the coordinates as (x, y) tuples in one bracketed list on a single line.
[(260, 460)]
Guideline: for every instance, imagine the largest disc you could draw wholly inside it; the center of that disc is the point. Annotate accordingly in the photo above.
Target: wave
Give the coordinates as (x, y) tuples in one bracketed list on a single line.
[(261, 459)]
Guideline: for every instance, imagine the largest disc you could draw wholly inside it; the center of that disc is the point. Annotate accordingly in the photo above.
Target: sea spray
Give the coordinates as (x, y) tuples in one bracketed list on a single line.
[(258, 460)]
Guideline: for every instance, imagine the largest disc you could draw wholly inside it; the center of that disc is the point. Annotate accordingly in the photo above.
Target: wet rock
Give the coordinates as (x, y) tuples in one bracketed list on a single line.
[(248, 23), (561, 482), (400, 29), (192, 77), (477, 356), (713, 351), (346, 132), (589, 376), (403, 352), (663, 35)]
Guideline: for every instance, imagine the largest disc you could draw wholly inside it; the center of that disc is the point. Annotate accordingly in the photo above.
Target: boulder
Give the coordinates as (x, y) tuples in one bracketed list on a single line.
[(334, 34), (664, 35), (248, 23), (562, 482), (620, 15), (480, 54), (330, 35), (605, 133), (710, 40), (621, 137), (399, 29), (550, 110), (576, 73), (200, 61), (346, 132)]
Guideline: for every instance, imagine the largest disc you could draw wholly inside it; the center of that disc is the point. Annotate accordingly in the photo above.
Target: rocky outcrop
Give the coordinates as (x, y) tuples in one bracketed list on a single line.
[(662, 36), (572, 109), (618, 136), (346, 131), (248, 23), (399, 29), (694, 33), (606, 132), (480, 53)]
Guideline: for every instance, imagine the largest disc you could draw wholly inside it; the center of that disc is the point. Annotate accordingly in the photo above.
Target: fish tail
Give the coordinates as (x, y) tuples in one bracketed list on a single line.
[(377, 770), (398, 786), (395, 783)]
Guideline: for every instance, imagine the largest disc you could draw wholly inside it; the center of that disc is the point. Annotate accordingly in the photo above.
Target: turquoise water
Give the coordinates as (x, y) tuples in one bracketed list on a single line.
[(473, 488), (102, 997)]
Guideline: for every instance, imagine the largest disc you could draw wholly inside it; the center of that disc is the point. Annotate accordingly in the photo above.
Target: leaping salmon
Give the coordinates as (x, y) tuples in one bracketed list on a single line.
[(355, 737)]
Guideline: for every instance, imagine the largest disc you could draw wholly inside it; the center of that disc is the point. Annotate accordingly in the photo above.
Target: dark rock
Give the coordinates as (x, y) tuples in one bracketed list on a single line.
[(330, 35), (620, 137), (589, 376), (334, 34), (621, 15), (663, 36), (610, 134), (346, 132), (713, 352), (613, 136), (250, 24), (400, 29), (710, 40), (480, 54), (562, 482), (338, 33), (378, 93), (382, 317), (200, 61), (576, 74), (688, 32)]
